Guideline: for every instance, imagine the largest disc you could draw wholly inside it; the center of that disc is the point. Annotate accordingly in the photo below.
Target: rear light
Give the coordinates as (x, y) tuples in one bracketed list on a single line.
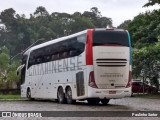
[(92, 82), (129, 84)]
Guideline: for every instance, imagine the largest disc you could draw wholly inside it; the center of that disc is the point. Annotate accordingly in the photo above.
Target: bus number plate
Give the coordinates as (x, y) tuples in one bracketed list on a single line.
[(112, 92)]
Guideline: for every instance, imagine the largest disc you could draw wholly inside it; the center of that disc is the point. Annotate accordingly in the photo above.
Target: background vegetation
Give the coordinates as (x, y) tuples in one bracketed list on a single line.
[(145, 35), (17, 33)]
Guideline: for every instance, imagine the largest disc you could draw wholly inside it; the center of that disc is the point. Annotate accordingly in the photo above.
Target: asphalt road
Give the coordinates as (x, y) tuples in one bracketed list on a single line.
[(125, 104)]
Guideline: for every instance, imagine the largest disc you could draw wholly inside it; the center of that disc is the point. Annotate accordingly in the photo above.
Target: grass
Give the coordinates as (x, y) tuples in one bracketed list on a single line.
[(10, 97)]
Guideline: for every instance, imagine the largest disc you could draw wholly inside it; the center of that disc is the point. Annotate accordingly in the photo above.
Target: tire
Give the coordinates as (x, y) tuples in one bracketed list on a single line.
[(132, 94), (69, 96), (105, 101), (93, 101), (60, 95), (29, 94)]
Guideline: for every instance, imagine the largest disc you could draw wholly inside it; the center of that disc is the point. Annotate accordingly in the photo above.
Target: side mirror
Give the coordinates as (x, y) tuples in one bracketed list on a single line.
[(18, 71)]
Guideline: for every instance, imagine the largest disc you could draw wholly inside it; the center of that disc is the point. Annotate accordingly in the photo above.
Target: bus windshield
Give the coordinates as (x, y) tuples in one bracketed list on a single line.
[(110, 37)]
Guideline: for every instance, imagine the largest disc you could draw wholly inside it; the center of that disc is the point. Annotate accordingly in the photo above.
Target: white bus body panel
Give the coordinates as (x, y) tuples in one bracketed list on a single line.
[(44, 79), (105, 93), (111, 71)]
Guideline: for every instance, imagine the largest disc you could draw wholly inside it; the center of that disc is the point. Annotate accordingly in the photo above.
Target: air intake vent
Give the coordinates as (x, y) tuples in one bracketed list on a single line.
[(111, 62)]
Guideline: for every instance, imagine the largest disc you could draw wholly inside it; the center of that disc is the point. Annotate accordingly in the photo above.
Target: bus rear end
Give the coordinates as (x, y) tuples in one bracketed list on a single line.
[(110, 74)]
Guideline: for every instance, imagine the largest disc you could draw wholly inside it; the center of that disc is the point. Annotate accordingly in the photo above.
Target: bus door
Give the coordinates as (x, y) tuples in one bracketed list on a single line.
[(80, 77), (80, 83), (22, 71)]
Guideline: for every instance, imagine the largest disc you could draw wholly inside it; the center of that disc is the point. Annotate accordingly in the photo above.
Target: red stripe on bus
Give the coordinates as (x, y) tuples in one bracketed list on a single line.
[(89, 51)]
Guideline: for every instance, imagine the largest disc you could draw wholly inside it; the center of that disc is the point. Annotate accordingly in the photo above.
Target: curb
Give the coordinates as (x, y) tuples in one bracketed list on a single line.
[(13, 100)]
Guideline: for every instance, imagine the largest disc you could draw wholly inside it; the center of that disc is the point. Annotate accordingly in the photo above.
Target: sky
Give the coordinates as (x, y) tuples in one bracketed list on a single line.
[(118, 10)]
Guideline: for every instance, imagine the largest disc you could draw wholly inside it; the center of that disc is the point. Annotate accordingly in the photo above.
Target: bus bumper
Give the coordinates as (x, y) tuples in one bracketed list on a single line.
[(109, 93)]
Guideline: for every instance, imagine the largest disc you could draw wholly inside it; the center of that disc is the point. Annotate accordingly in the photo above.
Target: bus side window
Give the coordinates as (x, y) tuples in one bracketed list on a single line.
[(47, 58), (65, 55), (39, 60), (72, 53), (48, 53), (32, 60), (56, 56), (53, 58)]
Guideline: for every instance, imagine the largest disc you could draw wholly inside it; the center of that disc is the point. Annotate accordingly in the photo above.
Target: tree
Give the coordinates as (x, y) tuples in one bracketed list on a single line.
[(2, 36), (80, 23), (4, 58), (147, 61), (7, 71), (145, 29), (145, 35), (96, 12), (8, 18), (41, 11), (124, 25), (20, 32), (97, 19), (151, 3)]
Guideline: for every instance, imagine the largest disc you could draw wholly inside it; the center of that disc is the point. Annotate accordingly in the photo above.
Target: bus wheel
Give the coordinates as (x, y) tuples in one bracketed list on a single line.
[(93, 101), (60, 95), (69, 96), (105, 101)]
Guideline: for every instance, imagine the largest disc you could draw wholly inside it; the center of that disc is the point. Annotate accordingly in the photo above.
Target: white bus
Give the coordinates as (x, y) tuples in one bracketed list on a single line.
[(92, 65)]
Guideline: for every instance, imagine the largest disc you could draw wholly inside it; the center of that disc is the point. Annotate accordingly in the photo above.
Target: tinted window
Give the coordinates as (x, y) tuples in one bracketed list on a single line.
[(60, 50), (110, 37), (31, 59)]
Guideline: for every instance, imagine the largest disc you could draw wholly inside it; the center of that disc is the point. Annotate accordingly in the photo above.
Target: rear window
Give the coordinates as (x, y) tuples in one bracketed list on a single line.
[(110, 37)]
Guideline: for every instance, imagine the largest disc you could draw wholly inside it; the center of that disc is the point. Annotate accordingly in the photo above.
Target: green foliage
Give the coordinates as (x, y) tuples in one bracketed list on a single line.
[(124, 25), (4, 58), (12, 76), (146, 63), (80, 23), (145, 29), (41, 11), (146, 59), (145, 35), (7, 71), (20, 32), (152, 2)]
